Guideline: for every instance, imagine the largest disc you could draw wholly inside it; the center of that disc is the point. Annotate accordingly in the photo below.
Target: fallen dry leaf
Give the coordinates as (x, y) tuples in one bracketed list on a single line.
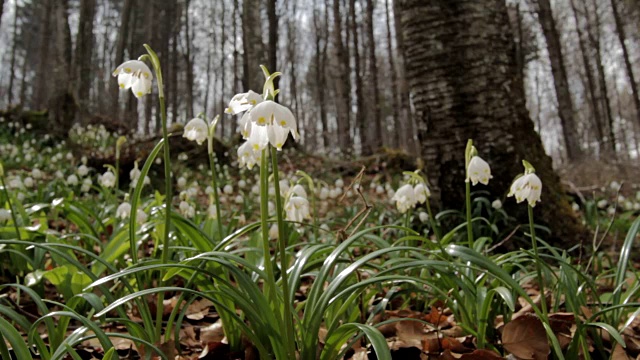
[(526, 338)]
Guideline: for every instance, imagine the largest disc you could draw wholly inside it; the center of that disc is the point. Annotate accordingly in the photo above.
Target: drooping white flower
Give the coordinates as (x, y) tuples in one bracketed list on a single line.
[(28, 182), (405, 198), (423, 216), (297, 209), (86, 185), (36, 173), (72, 180), (323, 194), (123, 210), (211, 212), (227, 189), (5, 215), (182, 182), (299, 191), (108, 179), (273, 232), (187, 210), (478, 171), (270, 113), (243, 102), (248, 156), (527, 187), (134, 75), (242, 184), (422, 192), (496, 204), (83, 170), (141, 217), (196, 130), (339, 183)]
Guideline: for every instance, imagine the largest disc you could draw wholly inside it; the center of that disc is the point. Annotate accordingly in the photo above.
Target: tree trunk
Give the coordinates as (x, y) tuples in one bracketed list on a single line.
[(591, 84), (463, 78), (121, 42), (83, 56), (253, 46), (560, 82), (188, 59), (341, 81), (373, 72), (236, 54), (43, 73), (292, 55), (13, 55), (153, 37), (627, 62), (61, 104), (365, 141), (407, 135), (223, 39), (594, 38), (273, 37), (320, 59), (395, 104)]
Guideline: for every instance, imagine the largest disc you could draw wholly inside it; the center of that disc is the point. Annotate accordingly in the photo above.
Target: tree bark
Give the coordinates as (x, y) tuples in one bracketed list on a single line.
[(591, 83), (188, 59), (13, 54), (464, 85), (395, 103), (83, 56), (41, 88), (320, 59), (406, 116), (365, 141), (560, 81), (61, 104), (373, 71), (254, 49), (341, 82), (273, 37), (627, 60), (121, 42)]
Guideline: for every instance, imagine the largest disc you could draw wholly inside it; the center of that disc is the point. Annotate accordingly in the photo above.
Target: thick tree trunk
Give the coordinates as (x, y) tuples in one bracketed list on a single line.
[(273, 37), (61, 104), (373, 72), (223, 71), (83, 56), (254, 49), (341, 81), (407, 136), (121, 42), (395, 104), (464, 85), (41, 89), (560, 82), (320, 59), (627, 60), (188, 59), (365, 142)]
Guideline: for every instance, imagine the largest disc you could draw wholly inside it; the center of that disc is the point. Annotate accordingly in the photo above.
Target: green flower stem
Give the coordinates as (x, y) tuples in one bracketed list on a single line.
[(167, 175), (269, 284), (432, 220), (469, 225), (534, 244), (214, 185), (13, 213), (282, 245)]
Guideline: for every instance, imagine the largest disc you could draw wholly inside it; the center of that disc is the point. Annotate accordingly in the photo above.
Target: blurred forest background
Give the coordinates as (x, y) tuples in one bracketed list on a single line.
[(345, 72)]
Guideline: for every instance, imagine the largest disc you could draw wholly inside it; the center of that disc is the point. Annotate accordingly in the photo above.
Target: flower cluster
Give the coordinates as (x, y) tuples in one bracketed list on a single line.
[(408, 196)]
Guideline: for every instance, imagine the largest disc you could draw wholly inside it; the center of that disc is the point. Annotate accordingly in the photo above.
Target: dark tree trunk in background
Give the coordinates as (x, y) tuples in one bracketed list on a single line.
[(61, 104), (223, 39), (373, 73), (360, 123), (83, 57), (121, 43), (463, 78), (396, 141), (273, 37), (341, 81), (320, 60), (14, 44), (253, 47), (627, 60), (1, 10), (591, 83), (188, 59), (406, 117), (293, 59), (42, 71), (560, 81), (152, 37)]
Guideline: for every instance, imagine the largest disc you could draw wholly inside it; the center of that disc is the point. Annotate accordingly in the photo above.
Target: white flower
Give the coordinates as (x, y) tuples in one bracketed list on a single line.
[(5, 215), (248, 156), (478, 171), (36, 173), (141, 217), (575, 207), (423, 216), (614, 185), (324, 193), (339, 183), (72, 180), (227, 189), (83, 170), (196, 130), (299, 191), (238, 199), (86, 185), (242, 184), (211, 211), (243, 102), (273, 232), (422, 192), (136, 75), (602, 204), (271, 113), (108, 179), (527, 187), (59, 174), (182, 182), (405, 198), (123, 210), (379, 190), (297, 209), (187, 210), (28, 182), (496, 204)]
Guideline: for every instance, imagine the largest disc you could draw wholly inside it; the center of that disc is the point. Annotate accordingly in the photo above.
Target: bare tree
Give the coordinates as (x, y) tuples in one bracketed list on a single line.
[(360, 116), (395, 103), (320, 78), (341, 82), (373, 72), (14, 46), (83, 56)]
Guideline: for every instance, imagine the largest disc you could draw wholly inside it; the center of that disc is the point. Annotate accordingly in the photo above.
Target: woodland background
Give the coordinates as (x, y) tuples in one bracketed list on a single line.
[(345, 76)]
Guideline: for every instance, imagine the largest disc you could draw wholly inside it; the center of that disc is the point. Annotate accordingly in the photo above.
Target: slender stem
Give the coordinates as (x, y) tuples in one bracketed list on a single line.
[(432, 220), (13, 213), (282, 245), (534, 244), (214, 185), (469, 225), (269, 284)]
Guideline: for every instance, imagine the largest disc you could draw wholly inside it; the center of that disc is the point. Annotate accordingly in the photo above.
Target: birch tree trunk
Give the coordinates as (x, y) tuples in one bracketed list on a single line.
[(464, 85)]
